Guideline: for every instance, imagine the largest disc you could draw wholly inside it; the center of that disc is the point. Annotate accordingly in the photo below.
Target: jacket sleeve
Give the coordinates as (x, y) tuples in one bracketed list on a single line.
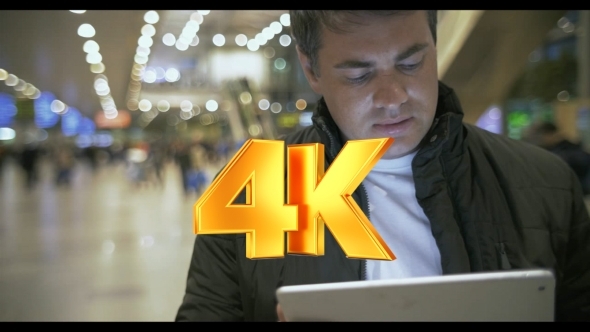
[(573, 296), (212, 290)]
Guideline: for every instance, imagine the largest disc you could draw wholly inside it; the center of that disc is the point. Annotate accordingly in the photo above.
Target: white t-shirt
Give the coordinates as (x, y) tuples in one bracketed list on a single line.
[(395, 213)]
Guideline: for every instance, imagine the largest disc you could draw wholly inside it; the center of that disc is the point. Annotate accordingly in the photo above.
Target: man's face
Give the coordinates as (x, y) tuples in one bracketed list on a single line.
[(380, 79)]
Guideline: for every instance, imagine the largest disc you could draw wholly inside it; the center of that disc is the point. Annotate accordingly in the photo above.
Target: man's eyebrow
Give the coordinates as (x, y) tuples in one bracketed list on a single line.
[(350, 64), (354, 64), (411, 51)]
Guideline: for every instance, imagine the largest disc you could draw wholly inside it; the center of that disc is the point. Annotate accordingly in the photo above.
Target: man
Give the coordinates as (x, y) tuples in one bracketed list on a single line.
[(464, 200), (546, 135)]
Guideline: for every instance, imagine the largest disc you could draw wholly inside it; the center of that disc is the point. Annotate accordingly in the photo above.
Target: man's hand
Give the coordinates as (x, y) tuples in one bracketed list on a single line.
[(280, 314)]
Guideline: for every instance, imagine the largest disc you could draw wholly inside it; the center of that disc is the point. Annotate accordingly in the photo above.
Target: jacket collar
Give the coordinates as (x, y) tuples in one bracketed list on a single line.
[(446, 127)]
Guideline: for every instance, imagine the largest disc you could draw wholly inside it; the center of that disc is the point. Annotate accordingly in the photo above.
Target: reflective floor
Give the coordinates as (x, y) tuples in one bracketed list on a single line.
[(101, 250)]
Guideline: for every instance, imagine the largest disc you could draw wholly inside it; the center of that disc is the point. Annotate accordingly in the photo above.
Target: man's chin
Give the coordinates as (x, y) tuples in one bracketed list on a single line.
[(398, 152)]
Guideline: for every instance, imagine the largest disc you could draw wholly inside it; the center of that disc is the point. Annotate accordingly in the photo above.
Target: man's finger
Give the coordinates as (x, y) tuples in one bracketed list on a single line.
[(280, 314)]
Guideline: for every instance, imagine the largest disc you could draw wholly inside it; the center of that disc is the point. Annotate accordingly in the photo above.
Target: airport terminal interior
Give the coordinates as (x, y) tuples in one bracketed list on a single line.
[(114, 122)]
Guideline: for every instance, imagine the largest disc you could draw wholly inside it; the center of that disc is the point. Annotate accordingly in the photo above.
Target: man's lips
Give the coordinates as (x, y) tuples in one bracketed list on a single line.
[(392, 121), (394, 126)]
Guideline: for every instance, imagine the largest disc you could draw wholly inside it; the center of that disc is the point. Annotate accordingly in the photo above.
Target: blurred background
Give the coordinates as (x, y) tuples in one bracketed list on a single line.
[(112, 123)]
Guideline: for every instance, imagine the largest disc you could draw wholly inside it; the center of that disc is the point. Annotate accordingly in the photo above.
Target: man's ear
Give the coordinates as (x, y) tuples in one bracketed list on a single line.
[(308, 71)]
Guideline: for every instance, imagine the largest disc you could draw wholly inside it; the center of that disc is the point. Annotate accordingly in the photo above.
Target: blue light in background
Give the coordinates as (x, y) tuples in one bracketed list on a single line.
[(44, 117), (86, 127), (7, 109), (70, 122), (491, 120)]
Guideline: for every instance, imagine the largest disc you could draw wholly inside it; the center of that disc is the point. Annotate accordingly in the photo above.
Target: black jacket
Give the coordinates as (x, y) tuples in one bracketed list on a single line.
[(493, 204)]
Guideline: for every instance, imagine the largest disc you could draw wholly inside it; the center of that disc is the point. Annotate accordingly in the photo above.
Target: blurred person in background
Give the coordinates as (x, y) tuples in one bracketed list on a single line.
[(184, 161), (447, 197), (547, 135), (64, 164), (29, 160)]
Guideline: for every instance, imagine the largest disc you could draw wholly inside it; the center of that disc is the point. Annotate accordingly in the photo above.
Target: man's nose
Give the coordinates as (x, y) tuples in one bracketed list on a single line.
[(390, 93)]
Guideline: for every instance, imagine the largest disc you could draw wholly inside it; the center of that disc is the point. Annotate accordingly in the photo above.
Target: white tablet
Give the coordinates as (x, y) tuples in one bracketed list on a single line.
[(494, 296)]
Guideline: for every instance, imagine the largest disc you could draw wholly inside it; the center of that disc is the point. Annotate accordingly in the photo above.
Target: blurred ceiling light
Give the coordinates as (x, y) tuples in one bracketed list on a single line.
[(204, 12), (280, 63), (186, 115), (197, 17), (186, 106), (285, 19), (253, 45), (172, 75), (169, 39), (206, 119), (20, 86), (275, 107), (241, 40), (35, 94), (149, 76), (141, 59), (134, 86), (93, 58), (151, 17), (100, 84), (563, 96), (57, 106), (3, 74), (301, 104), (132, 104), (191, 28), (86, 30), (78, 11), (285, 40), (148, 30), (276, 27), (29, 89), (185, 40), (569, 27), (195, 41), (269, 52), (143, 51), (181, 46), (260, 39), (535, 56), (138, 66), (104, 92), (145, 41), (111, 116), (11, 80), (246, 97), (101, 76), (90, 46), (163, 106), (219, 40), (263, 104), (145, 105), (495, 113), (268, 33), (562, 22), (196, 110), (7, 134), (211, 105), (160, 73), (254, 130)]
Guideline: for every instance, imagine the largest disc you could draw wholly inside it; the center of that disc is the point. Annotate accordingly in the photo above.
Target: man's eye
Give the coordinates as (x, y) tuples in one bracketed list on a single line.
[(410, 67), (358, 79)]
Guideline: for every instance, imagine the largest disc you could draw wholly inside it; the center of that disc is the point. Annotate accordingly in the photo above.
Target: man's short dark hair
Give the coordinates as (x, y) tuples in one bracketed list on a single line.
[(306, 27)]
